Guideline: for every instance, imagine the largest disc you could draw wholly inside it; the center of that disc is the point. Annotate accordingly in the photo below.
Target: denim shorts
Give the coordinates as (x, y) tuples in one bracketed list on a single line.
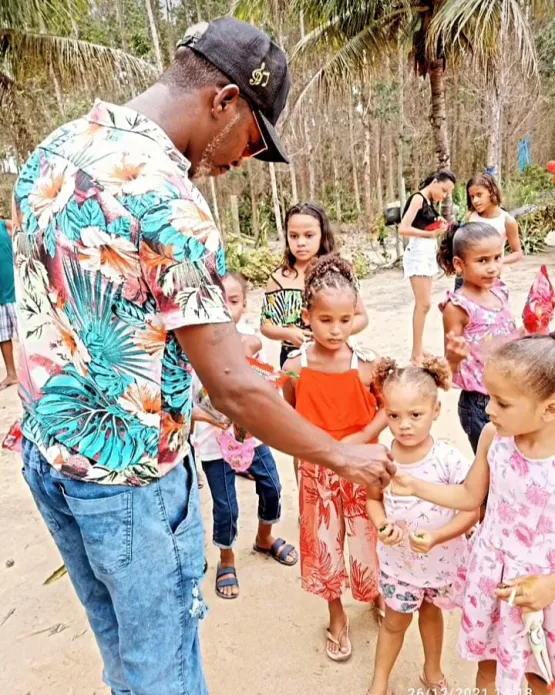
[(473, 416)]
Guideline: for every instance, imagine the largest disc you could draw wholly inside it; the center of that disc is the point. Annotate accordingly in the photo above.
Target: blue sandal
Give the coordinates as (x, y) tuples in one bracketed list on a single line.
[(230, 581), (280, 551)]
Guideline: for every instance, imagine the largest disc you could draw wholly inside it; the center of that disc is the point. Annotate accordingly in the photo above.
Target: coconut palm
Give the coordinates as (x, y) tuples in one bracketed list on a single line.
[(38, 37), (355, 35)]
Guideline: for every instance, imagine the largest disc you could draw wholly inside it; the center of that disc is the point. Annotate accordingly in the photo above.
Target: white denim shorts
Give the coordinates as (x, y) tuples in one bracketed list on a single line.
[(419, 259)]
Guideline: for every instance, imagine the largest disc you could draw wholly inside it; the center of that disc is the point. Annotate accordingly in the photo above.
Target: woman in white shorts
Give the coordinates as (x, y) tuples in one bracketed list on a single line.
[(419, 260)]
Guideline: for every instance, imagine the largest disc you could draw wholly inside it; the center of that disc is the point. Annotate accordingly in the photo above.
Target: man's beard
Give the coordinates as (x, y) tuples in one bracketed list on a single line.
[(206, 164)]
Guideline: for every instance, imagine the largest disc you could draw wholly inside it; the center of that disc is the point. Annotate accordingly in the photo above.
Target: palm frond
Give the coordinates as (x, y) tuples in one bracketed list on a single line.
[(33, 13), (483, 25), (26, 54)]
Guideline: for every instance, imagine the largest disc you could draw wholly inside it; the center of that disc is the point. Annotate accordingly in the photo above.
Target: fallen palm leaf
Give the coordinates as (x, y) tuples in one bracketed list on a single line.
[(58, 574)]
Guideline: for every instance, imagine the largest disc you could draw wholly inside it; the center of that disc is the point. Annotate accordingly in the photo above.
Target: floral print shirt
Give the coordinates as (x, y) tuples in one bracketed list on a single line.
[(114, 249)]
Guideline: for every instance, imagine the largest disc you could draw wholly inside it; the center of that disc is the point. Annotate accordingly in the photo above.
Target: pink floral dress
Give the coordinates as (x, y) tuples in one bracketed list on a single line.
[(517, 538)]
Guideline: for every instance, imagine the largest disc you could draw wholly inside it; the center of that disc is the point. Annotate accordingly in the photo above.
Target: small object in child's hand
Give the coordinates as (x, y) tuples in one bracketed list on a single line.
[(512, 597), (383, 528), (503, 586), (538, 310), (418, 535)]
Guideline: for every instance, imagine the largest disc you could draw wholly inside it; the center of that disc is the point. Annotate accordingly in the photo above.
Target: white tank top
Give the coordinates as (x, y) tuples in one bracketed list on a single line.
[(498, 223)]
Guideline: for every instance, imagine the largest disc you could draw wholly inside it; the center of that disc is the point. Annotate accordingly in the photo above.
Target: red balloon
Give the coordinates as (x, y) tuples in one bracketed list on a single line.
[(551, 166)]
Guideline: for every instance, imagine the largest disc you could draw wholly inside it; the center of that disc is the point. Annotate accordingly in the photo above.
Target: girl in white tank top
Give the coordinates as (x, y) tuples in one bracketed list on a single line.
[(484, 204)]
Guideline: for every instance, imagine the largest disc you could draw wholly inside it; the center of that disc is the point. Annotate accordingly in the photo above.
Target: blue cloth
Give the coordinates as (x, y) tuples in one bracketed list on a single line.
[(473, 416), (7, 283), (135, 556), (225, 509)]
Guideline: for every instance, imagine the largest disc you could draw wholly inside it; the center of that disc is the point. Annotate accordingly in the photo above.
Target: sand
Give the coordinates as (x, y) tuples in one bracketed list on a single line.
[(271, 640)]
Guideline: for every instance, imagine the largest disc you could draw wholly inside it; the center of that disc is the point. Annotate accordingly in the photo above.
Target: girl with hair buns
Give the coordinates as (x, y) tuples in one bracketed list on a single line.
[(331, 386), (420, 545), (511, 571)]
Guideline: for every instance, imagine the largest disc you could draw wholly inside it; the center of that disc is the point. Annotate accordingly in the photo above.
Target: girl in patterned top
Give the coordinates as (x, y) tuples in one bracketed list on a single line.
[(476, 317), (511, 570), (421, 544), (309, 236)]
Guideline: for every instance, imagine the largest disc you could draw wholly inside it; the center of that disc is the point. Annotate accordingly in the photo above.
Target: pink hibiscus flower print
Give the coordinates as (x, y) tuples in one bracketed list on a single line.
[(476, 647), (487, 585), (503, 657), (551, 559), (524, 535), (523, 511), (545, 525), (537, 496), (473, 601), (506, 513), (467, 624), (519, 464)]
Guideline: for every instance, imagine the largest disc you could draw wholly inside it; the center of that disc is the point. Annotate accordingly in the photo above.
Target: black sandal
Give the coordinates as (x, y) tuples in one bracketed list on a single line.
[(280, 551)]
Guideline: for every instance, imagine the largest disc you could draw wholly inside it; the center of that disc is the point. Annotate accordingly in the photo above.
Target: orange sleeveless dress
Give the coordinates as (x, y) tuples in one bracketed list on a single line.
[(330, 506)]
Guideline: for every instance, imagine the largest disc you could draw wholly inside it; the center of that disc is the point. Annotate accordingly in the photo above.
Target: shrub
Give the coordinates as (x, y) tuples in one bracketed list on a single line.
[(255, 264), (535, 227)]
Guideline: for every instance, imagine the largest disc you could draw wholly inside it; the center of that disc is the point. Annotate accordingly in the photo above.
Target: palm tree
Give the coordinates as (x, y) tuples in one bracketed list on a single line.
[(36, 39), (354, 36)]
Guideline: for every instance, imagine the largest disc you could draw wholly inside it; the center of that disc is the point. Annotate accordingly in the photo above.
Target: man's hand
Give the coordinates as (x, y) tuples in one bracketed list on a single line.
[(422, 541), (367, 464), (390, 534), (533, 593)]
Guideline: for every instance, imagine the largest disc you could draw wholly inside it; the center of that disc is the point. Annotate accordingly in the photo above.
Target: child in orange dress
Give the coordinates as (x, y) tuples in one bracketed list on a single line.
[(331, 387)]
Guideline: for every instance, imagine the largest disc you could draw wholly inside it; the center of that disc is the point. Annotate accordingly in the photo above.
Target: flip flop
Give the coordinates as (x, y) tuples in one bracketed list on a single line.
[(339, 656), (280, 551), (438, 688), (230, 581)]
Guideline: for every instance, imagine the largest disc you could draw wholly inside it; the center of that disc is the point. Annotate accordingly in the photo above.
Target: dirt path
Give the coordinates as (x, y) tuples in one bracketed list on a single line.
[(270, 641)]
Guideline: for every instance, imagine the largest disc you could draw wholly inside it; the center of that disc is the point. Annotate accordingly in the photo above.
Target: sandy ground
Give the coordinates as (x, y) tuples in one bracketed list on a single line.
[(268, 642)]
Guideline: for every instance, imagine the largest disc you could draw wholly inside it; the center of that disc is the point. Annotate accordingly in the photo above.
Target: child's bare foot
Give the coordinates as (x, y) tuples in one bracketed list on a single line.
[(227, 585), (10, 380)]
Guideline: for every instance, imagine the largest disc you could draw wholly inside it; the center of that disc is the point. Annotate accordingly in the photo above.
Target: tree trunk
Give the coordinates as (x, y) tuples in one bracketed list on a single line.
[(54, 75), (376, 141), (154, 34), (438, 115), (439, 127), (254, 203), (494, 131), (294, 191), (390, 192), (235, 215), (336, 179), (311, 164), (401, 133), (275, 197), (367, 168), (120, 16), (354, 166)]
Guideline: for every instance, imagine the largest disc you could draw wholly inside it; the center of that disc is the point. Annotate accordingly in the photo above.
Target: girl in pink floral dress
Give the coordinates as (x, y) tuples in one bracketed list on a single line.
[(514, 549), (421, 543)]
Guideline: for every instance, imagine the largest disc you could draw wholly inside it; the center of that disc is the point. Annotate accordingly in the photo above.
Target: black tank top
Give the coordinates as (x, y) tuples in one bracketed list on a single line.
[(427, 214)]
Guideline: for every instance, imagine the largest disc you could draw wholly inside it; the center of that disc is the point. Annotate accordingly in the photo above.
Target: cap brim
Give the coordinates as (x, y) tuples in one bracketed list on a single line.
[(275, 152)]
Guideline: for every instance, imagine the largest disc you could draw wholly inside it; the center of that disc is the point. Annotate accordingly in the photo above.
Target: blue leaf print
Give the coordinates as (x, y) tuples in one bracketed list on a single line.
[(70, 222), (28, 176), (406, 597), (176, 380), (220, 262), (121, 227), (92, 215), (138, 205), (408, 607), (388, 590), (50, 239), (133, 314), (78, 415)]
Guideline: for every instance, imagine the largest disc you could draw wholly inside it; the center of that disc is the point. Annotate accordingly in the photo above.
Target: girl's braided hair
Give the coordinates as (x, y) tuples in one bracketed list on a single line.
[(457, 240), (433, 374), (329, 272)]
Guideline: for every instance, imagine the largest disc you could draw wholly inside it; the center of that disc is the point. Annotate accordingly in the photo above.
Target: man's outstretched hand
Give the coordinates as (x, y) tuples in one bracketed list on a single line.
[(367, 464)]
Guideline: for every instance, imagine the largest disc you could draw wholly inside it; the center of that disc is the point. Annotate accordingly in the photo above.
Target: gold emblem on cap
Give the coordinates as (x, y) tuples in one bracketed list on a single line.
[(260, 76), (196, 31)]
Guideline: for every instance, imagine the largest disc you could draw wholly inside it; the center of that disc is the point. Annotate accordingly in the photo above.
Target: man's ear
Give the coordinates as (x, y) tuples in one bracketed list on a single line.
[(226, 101)]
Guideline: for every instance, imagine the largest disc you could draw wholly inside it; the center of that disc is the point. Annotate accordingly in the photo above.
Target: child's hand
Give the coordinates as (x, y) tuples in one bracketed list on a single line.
[(202, 416), (402, 484), (422, 541), (296, 336), (390, 534), (456, 348)]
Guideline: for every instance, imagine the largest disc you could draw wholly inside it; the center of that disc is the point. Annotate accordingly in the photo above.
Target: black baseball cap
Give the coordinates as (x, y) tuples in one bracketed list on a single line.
[(255, 64)]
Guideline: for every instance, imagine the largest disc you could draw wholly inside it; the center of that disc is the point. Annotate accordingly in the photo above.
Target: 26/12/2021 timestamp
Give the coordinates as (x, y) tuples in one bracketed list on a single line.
[(460, 691)]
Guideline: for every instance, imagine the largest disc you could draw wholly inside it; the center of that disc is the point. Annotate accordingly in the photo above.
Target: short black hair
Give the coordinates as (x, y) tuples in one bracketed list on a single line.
[(191, 71)]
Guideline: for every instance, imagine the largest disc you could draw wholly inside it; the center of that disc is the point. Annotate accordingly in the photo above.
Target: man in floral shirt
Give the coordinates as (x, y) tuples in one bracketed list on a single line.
[(119, 268)]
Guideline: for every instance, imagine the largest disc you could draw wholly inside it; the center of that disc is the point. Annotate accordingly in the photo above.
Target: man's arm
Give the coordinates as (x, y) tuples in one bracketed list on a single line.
[(236, 390)]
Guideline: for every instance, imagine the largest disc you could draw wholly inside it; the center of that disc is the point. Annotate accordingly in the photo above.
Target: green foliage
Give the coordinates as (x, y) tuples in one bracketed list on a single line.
[(255, 264), (535, 227), (529, 188), (361, 264)]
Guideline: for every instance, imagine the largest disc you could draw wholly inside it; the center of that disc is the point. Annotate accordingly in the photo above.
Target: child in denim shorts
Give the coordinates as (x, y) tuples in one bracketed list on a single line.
[(422, 545)]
